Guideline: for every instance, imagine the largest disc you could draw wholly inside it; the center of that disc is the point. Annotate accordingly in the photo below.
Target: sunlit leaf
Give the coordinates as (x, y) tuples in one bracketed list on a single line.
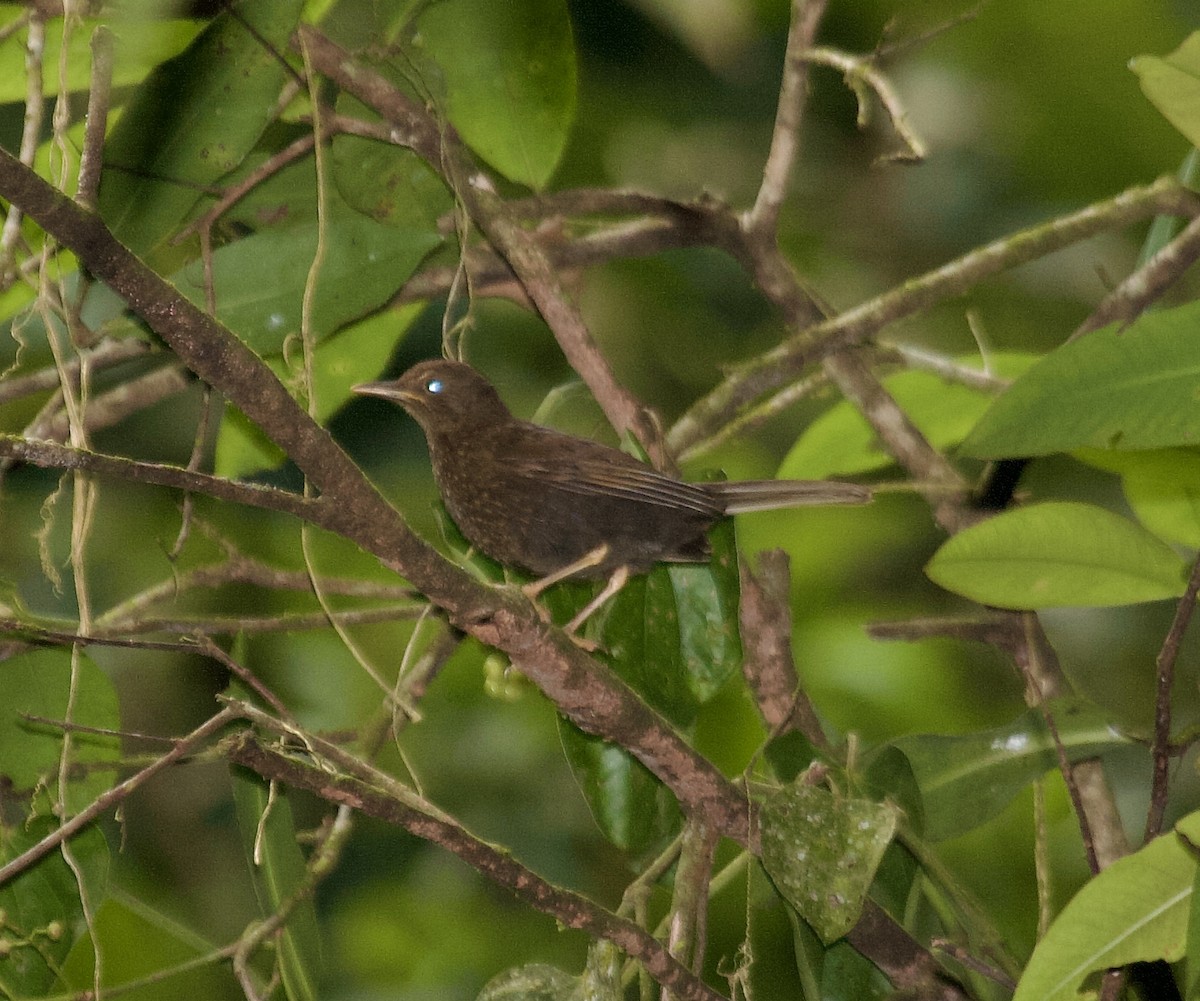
[(354, 355), (1136, 910), (139, 44), (507, 75), (1162, 486), (841, 443), (1058, 554), (1172, 83), (1127, 388)]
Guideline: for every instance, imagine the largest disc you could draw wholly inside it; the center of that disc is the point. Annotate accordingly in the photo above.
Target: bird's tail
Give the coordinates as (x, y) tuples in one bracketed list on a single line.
[(768, 495)]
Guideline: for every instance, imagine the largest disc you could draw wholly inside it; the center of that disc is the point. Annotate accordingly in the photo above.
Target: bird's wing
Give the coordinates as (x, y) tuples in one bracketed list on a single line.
[(591, 469)]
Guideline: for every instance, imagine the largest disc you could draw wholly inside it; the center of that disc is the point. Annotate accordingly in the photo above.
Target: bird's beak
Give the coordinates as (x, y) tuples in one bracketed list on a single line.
[(384, 390)]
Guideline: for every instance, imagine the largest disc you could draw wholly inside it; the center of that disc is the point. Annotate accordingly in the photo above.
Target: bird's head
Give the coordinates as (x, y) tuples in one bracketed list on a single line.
[(443, 397)]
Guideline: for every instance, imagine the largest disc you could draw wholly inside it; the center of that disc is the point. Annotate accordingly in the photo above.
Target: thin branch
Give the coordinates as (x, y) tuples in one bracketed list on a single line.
[(1139, 290), (789, 114), (766, 626), (1165, 663), (783, 364), (50, 455), (99, 95), (118, 793), (354, 783), (862, 75)]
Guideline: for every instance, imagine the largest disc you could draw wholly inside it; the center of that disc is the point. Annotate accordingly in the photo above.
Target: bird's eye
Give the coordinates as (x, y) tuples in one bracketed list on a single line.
[(434, 386)]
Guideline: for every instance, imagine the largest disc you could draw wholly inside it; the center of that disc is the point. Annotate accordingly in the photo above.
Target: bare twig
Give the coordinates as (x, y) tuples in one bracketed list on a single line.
[(117, 794), (1165, 663), (99, 94), (782, 365), (354, 783), (1139, 290), (789, 114)]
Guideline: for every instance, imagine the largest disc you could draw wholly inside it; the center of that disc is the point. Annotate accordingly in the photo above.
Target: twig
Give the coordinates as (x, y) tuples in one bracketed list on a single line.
[(781, 365), (99, 95), (766, 621), (183, 747), (356, 784), (1160, 749), (789, 114), (861, 73), (1135, 294)]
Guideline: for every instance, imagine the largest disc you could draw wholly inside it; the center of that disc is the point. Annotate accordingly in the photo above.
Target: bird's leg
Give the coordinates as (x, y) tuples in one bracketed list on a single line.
[(615, 583), (590, 559)]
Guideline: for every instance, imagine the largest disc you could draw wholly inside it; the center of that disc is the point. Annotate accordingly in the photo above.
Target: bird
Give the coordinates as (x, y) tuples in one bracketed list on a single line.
[(560, 506)]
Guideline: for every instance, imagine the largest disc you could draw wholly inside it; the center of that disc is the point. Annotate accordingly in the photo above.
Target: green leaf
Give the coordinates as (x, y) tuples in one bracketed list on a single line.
[(1172, 84), (388, 183), (706, 602), (353, 355), (507, 75), (639, 637), (1058, 554), (966, 779), (533, 982), (1127, 388), (42, 907), (137, 941), (260, 280), (1161, 485), (841, 443), (138, 45), (193, 121), (630, 806), (278, 870), (821, 850), (39, 683), (1136, 910)]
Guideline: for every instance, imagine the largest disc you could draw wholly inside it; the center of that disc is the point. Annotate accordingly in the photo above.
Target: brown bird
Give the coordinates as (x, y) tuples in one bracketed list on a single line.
[(561, 506)]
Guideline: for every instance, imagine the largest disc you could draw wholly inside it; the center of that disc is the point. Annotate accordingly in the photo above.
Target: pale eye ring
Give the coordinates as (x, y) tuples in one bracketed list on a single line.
[(434, 386)]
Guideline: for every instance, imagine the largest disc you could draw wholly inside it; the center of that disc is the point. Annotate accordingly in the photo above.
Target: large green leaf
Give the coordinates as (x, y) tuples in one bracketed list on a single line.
[(193, 121), (352, 356), (638, 633), (139, 43), (966, 779), (1172, 83), (1131, 388), (821, 850), (260, 281), (631, 807), (706, 603), (1136, 910), (1058, 554), (506, 75), (135, 942)]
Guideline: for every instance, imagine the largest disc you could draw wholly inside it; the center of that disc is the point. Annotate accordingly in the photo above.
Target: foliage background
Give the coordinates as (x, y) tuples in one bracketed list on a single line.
[(1029, 110)]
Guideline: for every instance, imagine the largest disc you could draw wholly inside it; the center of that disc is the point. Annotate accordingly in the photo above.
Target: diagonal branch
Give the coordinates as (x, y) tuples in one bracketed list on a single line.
[(583, 690)]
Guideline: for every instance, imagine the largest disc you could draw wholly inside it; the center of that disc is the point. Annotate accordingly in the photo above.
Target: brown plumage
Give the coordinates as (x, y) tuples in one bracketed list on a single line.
[(562, 506)]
